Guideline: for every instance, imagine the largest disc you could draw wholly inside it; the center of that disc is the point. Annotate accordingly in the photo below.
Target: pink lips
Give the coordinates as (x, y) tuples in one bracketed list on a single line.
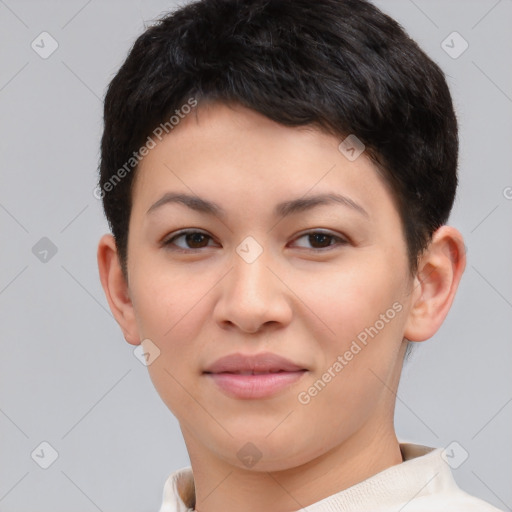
[(254, 376)]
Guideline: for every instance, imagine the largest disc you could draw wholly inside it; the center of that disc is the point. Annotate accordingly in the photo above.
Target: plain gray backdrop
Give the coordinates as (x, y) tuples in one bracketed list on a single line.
[(69, 379)]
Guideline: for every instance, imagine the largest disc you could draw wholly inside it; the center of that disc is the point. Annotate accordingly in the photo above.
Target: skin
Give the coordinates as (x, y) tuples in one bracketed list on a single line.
[(305, 299)]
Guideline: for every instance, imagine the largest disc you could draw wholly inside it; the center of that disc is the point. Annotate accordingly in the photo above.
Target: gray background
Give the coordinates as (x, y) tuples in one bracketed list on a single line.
[(67, 375)]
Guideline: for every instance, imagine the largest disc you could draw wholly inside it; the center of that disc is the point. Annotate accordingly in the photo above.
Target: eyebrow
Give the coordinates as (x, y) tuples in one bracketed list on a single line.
[(283, 209)]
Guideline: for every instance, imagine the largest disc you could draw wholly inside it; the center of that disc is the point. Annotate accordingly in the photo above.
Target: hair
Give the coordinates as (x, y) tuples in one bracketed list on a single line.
[(342, 66)]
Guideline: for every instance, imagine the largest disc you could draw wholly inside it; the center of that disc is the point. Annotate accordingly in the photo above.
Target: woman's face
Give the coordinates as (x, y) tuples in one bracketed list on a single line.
[(323, 283)]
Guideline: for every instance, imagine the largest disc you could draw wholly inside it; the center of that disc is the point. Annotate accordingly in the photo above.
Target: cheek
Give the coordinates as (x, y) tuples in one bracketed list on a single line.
[(163, 298), (352, 298), (167, 309), (348, 384), (172, 307), (363, 306)]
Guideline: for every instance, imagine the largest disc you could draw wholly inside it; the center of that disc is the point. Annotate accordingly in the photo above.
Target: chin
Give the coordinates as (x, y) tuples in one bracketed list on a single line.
[(269, 453)]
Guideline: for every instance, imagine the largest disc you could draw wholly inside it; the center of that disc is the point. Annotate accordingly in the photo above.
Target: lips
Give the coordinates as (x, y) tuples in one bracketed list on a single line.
[(253, 364), (254, 376), (253, 372)]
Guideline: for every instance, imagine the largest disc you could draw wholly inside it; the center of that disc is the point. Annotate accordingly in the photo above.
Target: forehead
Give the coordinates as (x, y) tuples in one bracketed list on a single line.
[(229, 153)]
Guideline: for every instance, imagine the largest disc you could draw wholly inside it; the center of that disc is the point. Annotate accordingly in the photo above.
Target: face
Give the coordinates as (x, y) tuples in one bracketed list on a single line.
[(292, 251)]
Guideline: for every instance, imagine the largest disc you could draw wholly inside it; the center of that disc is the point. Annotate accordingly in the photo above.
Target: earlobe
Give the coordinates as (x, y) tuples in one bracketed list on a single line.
[(116, 289), (439, 272)]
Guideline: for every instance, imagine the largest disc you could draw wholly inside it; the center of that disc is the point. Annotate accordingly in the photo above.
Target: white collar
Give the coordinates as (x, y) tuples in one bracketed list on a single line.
[(422, 473)]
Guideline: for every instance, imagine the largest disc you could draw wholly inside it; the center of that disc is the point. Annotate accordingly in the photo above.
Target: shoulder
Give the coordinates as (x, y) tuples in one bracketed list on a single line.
[(179, 492), (437, 490), (455, 501)]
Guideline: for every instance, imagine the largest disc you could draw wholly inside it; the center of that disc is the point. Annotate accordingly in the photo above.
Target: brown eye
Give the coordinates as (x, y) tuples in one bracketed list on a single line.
[(188, 240), (319, 240)]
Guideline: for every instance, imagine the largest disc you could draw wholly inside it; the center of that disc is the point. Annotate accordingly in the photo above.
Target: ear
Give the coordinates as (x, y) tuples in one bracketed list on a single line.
[(116, 288), (439, 272)]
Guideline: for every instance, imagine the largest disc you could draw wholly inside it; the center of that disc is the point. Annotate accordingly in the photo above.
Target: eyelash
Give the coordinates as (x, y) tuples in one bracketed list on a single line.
[(170, 241)]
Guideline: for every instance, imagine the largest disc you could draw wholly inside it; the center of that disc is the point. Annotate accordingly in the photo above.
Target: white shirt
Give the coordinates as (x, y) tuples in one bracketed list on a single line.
[(422, 483)]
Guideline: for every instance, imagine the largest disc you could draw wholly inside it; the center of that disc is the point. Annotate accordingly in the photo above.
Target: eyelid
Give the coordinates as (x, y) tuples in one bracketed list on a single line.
[(185, 231), (341, 239)]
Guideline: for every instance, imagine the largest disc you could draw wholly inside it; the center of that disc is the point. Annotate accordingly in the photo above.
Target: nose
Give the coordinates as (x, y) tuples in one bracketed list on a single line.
[(253, 297)]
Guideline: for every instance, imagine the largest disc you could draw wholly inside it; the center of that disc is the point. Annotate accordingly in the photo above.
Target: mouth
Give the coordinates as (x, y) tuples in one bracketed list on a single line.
[(250, 372), (253, 385), (254, 376)]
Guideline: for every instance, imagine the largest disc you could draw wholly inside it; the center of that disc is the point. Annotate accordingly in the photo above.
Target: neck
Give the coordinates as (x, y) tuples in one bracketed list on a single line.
[(368, 452)]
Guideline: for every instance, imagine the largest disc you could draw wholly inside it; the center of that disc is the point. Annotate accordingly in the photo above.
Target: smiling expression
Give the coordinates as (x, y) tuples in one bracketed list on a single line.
[(247, 237)]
